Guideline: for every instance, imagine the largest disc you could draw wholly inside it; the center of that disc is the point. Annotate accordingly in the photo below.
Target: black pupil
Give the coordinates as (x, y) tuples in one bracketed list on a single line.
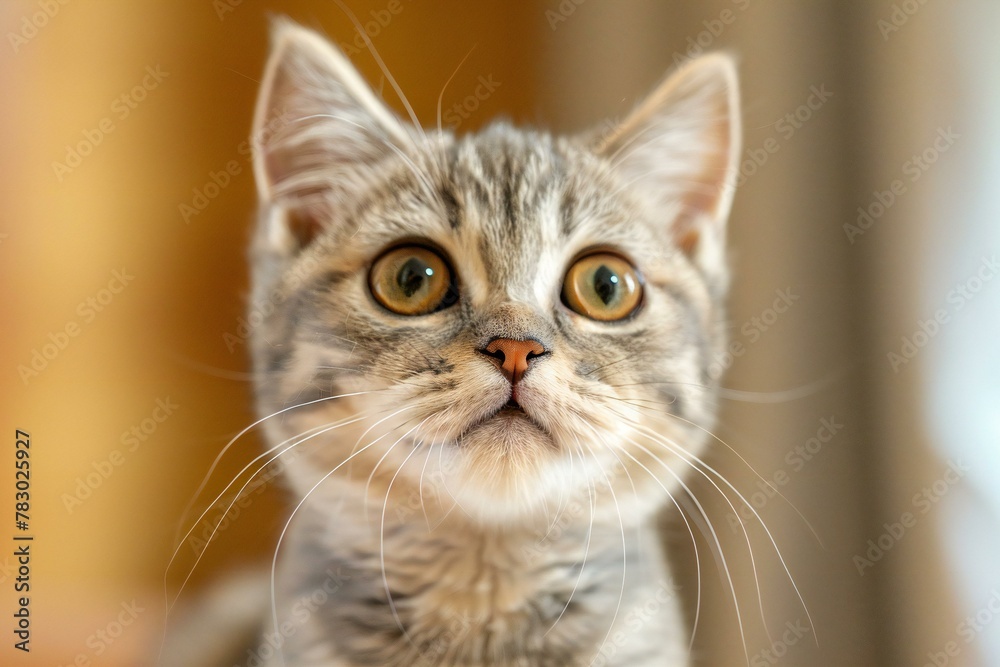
[(412, 274), (606, 284)]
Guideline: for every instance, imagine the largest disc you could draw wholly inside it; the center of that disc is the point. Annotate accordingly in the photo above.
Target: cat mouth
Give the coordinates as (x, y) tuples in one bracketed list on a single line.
[(512, 410), (509, 412), (511, 406)]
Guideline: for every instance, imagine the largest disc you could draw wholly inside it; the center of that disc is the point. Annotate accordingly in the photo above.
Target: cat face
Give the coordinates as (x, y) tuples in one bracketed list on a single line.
[(507, 317)]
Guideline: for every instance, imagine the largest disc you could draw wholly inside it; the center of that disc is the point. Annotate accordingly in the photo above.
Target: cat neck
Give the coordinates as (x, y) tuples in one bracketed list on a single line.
[(449, 586)]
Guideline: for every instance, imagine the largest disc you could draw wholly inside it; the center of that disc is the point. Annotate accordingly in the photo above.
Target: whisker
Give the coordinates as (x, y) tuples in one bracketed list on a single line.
[(319, 430), (420, 484), (454, 503), (621, 523), (218, 458), (715, 539), (748, 396), (750, 467), (718, 553), (746, 535), (369, 429), (443, 88), (378, 58), (677, 449), (607, 365), (694, 544), (365, 371), (423, 469), (782, 396), (586, 549), (564, 500), (381, 534), (284, 530), (371, 476), (209, 369)]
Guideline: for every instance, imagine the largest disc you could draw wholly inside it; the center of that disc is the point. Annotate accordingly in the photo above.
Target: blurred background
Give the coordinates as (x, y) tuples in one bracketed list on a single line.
[(864, 383)]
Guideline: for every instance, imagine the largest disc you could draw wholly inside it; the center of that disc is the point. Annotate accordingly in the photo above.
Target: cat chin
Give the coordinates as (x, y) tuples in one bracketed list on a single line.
[(503, 468)]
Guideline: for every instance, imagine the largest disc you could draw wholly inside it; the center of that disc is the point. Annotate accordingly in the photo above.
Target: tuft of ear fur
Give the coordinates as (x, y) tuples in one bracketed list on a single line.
[(319, 131), (680, 150)]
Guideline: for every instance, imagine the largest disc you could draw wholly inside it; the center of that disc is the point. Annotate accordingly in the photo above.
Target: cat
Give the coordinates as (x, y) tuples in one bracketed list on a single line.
[(484, 362)]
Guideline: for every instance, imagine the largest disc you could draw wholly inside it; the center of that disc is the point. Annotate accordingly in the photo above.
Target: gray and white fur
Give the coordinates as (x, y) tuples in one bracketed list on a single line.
[(431, 525)]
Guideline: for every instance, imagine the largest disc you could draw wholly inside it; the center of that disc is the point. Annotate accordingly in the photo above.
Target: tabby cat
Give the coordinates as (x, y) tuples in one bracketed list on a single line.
[(484, 363)]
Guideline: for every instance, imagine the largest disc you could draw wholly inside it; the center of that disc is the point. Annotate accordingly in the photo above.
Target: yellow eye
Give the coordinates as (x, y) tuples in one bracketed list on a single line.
[(412, 280), (602, 287)]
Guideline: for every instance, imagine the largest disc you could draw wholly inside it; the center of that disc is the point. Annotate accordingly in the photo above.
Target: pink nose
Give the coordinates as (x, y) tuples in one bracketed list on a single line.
[(513, 356)]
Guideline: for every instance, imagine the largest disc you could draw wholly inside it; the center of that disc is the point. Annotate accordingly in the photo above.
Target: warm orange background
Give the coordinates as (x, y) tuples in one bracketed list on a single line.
[(162, 337)]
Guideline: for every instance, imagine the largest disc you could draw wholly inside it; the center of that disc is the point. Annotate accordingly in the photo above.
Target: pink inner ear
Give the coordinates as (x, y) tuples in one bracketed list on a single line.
[(687, 240), (304, 225)]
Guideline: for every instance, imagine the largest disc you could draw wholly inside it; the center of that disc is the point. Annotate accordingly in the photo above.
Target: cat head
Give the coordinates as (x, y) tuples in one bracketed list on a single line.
[(512, 315)]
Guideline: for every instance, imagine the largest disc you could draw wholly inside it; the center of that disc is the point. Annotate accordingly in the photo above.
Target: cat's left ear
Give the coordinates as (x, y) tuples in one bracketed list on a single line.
[(319, 135), (680, 150)]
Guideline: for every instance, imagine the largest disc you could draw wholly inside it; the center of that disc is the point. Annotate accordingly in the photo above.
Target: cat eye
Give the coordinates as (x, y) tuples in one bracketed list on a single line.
[(603, 287), (412, 280)]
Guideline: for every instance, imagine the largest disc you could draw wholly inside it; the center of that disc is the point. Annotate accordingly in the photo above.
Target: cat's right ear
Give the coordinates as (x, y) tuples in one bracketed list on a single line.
[(679, 150), (319, 131)]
